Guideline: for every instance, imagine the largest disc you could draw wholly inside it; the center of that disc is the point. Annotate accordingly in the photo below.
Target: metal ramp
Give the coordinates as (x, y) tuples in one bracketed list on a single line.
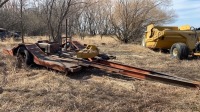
[(78, 45), (52, 61)]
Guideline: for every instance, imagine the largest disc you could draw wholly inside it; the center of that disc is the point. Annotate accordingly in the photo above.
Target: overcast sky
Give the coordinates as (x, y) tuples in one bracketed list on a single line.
[(188, 12)]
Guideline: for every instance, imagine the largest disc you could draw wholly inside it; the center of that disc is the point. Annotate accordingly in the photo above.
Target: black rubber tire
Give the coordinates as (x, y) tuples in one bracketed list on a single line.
[(182, 51), (27, 56), (104, 56)]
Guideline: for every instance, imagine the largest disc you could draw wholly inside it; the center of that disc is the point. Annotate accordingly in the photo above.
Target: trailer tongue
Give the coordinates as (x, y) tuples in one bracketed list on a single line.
[(46, 54)]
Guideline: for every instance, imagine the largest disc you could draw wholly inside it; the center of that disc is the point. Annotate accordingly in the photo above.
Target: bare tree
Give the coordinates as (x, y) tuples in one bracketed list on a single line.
[(2, 2), (56, 12), (9, 17), (127, 19), (95, 17), (21, 20), (131, 17)]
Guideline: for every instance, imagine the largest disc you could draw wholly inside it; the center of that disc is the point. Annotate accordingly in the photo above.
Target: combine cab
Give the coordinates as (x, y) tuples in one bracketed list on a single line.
[(180, 41)]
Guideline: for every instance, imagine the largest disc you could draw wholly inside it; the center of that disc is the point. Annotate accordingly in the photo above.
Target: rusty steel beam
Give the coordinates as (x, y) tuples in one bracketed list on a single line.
[(138, 73), (149, 75)]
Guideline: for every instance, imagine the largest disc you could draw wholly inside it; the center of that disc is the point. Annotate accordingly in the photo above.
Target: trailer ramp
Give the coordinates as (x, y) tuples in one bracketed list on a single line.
[(51, 61)]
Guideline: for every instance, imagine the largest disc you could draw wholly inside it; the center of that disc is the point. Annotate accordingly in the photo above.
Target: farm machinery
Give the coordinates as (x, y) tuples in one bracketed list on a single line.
[(181, 42), (73, 56)]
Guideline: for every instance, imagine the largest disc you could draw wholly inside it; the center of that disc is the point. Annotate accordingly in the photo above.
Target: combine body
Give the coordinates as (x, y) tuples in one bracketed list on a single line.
[(165, 37)]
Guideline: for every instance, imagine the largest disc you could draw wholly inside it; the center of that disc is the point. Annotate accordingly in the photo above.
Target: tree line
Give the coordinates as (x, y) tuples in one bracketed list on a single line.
[(127, 19)]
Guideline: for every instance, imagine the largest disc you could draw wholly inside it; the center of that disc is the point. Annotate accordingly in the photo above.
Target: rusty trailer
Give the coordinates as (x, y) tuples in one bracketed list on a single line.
[(64, 59)]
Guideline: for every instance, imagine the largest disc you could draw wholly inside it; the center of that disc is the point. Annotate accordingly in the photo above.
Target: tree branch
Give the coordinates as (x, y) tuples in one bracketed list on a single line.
[(3, 2)]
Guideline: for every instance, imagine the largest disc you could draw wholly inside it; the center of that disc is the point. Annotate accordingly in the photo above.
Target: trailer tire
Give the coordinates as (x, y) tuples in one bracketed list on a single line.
[(24, 57), (179, 51)]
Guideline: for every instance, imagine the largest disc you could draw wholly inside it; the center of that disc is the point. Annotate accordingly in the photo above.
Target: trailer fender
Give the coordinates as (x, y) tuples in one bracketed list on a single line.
[(23, 55)]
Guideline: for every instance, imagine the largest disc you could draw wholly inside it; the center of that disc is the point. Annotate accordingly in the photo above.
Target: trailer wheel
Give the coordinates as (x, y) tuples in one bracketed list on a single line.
[(179, 51), (24, 57)]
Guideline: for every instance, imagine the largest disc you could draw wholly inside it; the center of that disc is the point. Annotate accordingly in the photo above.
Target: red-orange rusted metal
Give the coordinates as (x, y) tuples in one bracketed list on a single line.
[(8, 52), (151, 75), (124, 67), (77, 45), (43, 59), (139, 73)]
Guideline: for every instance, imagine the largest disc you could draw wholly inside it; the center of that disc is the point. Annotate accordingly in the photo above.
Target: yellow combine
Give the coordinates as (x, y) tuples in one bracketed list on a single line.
[(181, 41)]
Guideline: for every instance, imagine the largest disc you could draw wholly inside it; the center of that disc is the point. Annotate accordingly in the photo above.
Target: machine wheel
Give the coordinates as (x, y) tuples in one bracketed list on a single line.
[(179, 51), (24, 58), (143, 42)]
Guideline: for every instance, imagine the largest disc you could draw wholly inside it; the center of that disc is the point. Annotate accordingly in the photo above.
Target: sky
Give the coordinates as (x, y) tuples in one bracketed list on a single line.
[(188, 12)]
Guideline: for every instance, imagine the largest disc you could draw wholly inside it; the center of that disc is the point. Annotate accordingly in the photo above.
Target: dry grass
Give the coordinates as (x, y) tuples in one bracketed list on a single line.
[(38, 89)]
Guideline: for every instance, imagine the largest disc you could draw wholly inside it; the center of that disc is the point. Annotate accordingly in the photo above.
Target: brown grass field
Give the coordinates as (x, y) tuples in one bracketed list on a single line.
[(40, 90)]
